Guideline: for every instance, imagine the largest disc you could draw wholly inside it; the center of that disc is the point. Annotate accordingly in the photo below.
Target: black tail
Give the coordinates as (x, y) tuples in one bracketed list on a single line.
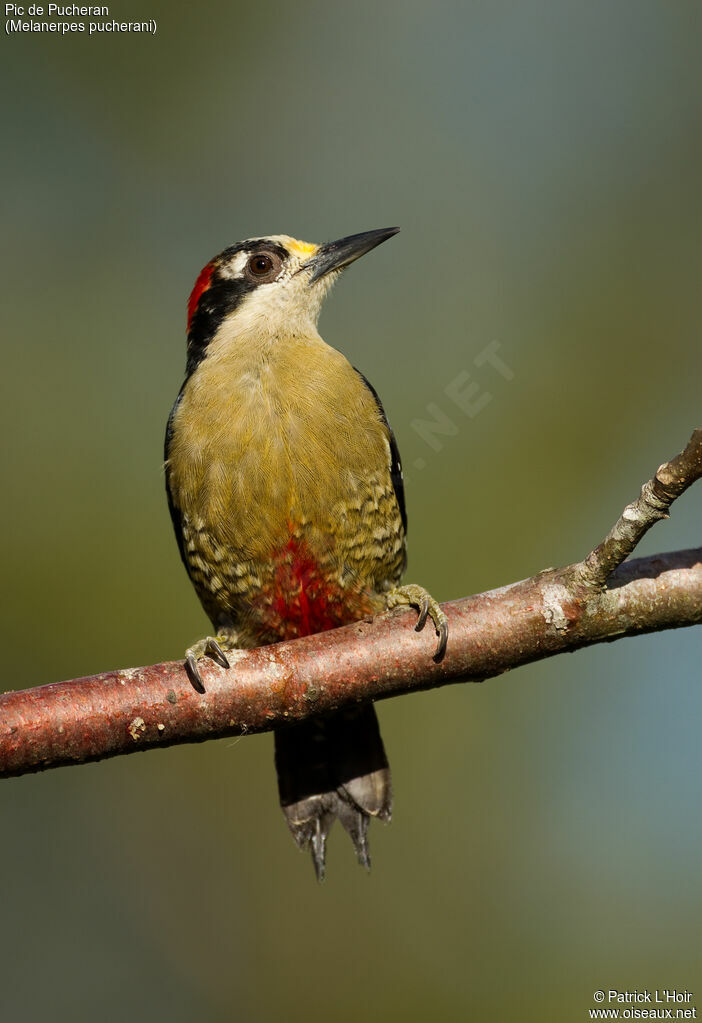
[(333, 767)]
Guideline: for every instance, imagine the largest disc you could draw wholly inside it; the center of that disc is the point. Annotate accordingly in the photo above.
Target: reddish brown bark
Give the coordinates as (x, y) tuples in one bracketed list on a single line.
[(558, 610), (139, 708)]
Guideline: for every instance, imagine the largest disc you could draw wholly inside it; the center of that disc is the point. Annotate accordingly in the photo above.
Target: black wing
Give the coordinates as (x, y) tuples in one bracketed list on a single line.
[(176, 517), (398, 483)]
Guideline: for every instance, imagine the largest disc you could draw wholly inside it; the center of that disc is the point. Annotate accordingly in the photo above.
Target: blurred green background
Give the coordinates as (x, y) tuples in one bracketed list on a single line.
[(544, 161)]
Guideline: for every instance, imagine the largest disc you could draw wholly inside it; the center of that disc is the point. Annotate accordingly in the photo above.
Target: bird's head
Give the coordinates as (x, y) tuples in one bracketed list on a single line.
[(268, 287)]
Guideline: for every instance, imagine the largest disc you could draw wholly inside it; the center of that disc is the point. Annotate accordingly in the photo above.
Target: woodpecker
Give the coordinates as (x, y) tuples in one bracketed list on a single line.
[(285, 489)]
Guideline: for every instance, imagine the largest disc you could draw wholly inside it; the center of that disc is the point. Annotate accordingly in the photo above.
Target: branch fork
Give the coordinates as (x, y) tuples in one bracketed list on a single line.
[(599, 599)]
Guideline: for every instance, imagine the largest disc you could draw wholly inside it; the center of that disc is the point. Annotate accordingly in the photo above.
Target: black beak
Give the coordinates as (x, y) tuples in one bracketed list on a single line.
[(338, 254)]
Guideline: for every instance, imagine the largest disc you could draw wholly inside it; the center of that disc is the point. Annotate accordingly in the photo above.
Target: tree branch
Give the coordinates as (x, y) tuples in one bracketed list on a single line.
[(594, 601), (672, 479)]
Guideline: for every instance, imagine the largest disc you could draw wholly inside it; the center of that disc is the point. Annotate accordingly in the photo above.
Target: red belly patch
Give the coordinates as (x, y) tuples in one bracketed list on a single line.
[(306, 599)]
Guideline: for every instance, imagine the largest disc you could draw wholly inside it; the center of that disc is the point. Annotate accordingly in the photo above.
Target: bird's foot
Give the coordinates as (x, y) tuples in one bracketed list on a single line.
[(417, 597), (209, 647)]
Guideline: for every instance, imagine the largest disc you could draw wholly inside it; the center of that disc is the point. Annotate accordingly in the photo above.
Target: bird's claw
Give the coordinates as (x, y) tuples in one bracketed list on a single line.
[(417, 597), (208, 647), (423, 613), (214, 650), (194, 672)]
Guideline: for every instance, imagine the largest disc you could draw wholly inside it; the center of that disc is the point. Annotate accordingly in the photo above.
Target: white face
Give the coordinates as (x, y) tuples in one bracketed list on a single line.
[(283, 296), (267, 289)]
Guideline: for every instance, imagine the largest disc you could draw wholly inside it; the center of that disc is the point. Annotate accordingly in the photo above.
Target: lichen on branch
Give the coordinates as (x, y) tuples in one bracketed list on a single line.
[(599, 599)]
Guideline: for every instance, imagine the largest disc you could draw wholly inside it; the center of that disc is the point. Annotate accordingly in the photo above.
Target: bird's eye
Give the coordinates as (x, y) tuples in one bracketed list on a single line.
[(260, 265)]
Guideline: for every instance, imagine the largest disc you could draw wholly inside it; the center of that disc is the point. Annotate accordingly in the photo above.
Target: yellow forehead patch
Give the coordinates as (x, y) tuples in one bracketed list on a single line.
[(302, 249)]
